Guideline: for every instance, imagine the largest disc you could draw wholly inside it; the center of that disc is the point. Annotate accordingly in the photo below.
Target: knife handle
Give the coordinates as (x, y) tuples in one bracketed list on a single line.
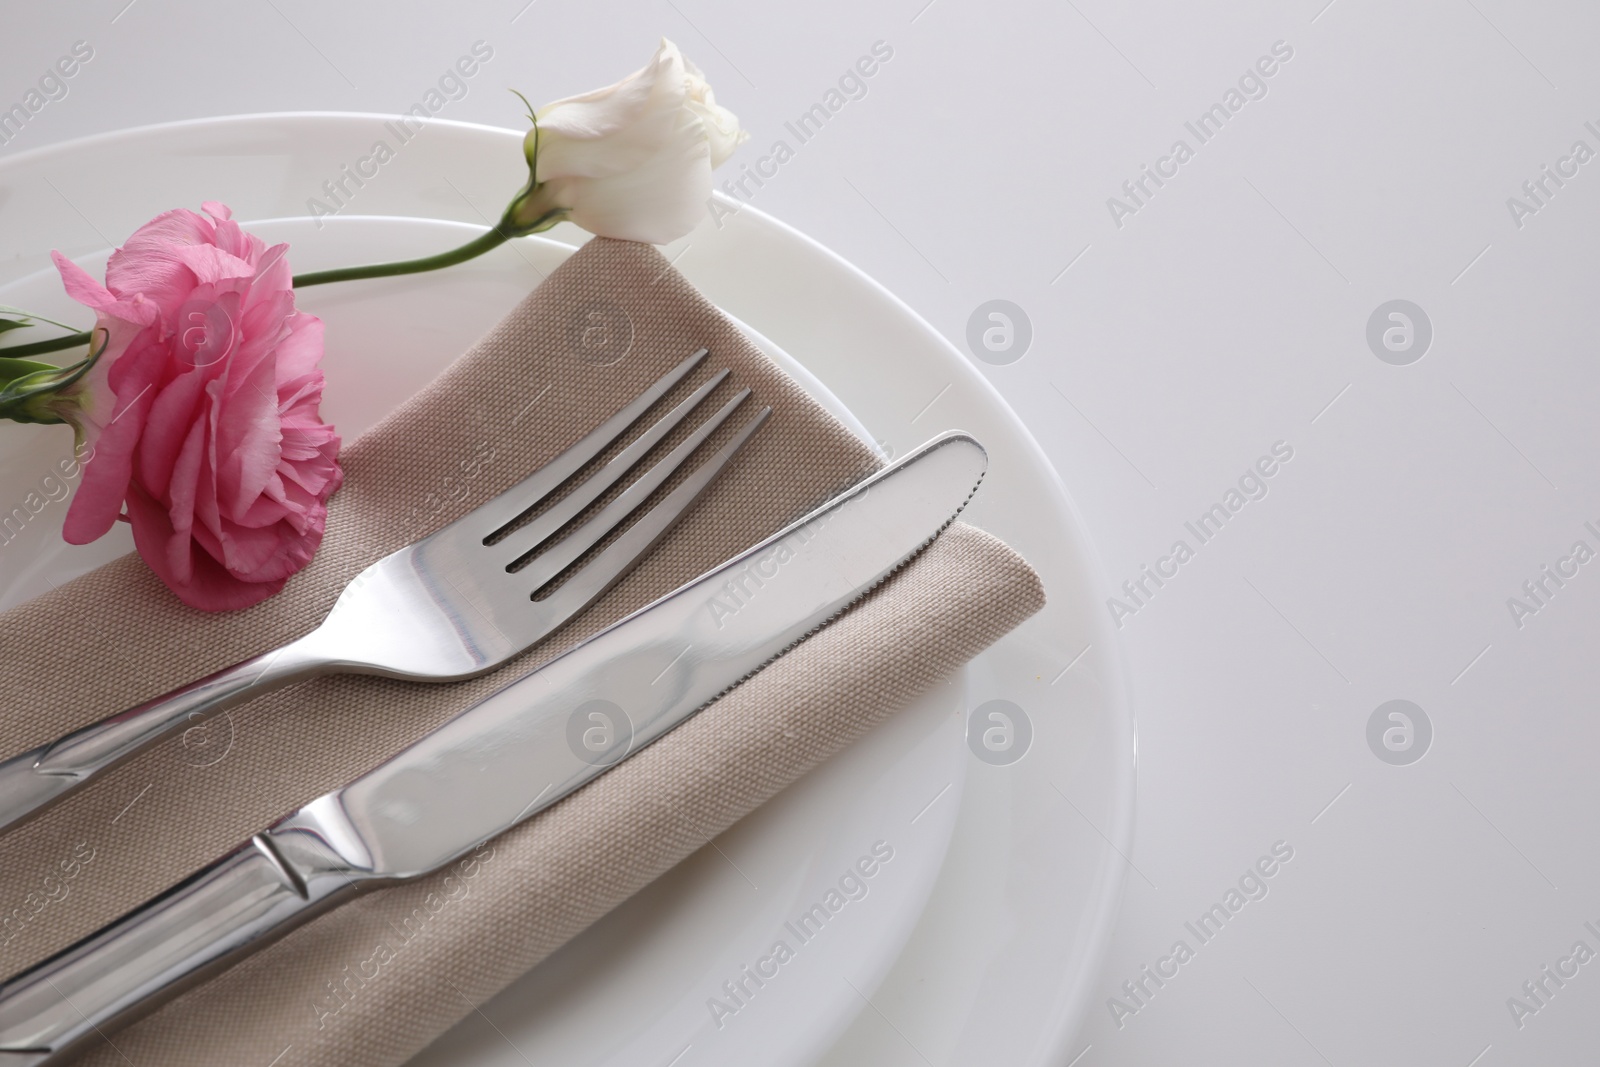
[(243, 902), (32, 780)]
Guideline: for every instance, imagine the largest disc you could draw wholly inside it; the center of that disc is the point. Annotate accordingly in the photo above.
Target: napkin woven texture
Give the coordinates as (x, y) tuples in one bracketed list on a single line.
[(372, 982)]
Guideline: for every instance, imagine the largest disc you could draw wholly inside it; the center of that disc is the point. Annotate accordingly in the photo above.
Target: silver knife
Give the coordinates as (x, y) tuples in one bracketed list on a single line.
[(500, 761)]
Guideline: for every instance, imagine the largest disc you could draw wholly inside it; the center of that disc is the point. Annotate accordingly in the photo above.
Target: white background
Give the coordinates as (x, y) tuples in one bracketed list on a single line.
[(1168, 354)]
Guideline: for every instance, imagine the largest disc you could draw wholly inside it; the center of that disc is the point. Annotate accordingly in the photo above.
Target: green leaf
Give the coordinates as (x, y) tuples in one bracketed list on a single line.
[(11, 369), (13, 324), (29, 318)]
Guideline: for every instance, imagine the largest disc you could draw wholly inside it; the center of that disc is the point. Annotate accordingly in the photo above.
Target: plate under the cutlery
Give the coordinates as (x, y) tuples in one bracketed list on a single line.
[(988, 952)]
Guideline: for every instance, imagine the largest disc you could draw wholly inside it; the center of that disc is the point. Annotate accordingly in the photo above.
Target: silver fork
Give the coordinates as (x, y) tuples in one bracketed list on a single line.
[(452, 605)]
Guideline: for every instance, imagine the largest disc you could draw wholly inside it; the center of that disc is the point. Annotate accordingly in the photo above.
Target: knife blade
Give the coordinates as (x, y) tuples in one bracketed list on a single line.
[(502, 760)]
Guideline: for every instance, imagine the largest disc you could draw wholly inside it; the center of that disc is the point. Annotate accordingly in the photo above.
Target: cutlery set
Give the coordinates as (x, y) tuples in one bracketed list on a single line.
[(456, 604)]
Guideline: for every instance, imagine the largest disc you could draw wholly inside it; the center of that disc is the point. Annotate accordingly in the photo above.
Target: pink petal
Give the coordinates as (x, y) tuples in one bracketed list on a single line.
[(183, 486), (80, 284), (148, 263), (204, 584), (106, 473), (264, 554), (211, 264), (231, 238), (248, 435), (167, 429), (272, 271), (301, 351)]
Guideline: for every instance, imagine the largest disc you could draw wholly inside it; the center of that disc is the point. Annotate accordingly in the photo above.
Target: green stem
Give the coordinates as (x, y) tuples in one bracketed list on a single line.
[(476, 247), (39, 348), (486, 241)]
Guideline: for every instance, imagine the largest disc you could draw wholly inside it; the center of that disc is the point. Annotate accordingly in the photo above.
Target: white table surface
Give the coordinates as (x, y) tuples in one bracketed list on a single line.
[(1228, 313)]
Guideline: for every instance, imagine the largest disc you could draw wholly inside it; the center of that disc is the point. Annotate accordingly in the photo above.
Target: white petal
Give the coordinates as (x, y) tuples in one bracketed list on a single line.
[(656, 203), (634, 160), (615, 128)]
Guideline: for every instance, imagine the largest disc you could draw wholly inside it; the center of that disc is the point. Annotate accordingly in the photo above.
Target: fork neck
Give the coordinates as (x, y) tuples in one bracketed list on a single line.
[(92, 748)]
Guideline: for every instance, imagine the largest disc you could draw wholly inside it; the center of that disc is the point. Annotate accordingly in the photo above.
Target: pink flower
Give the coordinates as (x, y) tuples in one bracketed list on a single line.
[(200, 422)]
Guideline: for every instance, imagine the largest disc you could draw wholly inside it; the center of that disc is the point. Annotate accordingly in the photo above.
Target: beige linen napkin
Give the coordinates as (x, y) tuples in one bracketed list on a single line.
[(372, 982)]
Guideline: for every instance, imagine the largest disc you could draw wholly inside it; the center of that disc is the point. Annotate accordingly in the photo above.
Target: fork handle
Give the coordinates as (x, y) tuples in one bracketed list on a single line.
[(32, 780)]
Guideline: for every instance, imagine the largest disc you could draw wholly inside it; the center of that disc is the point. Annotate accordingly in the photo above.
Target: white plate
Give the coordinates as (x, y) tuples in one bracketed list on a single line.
[(995, 967)]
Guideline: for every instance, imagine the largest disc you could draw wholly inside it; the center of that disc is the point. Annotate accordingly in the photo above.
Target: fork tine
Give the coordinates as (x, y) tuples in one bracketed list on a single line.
[(587, 492), (585, 537), (618, 558), (512, 504)]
